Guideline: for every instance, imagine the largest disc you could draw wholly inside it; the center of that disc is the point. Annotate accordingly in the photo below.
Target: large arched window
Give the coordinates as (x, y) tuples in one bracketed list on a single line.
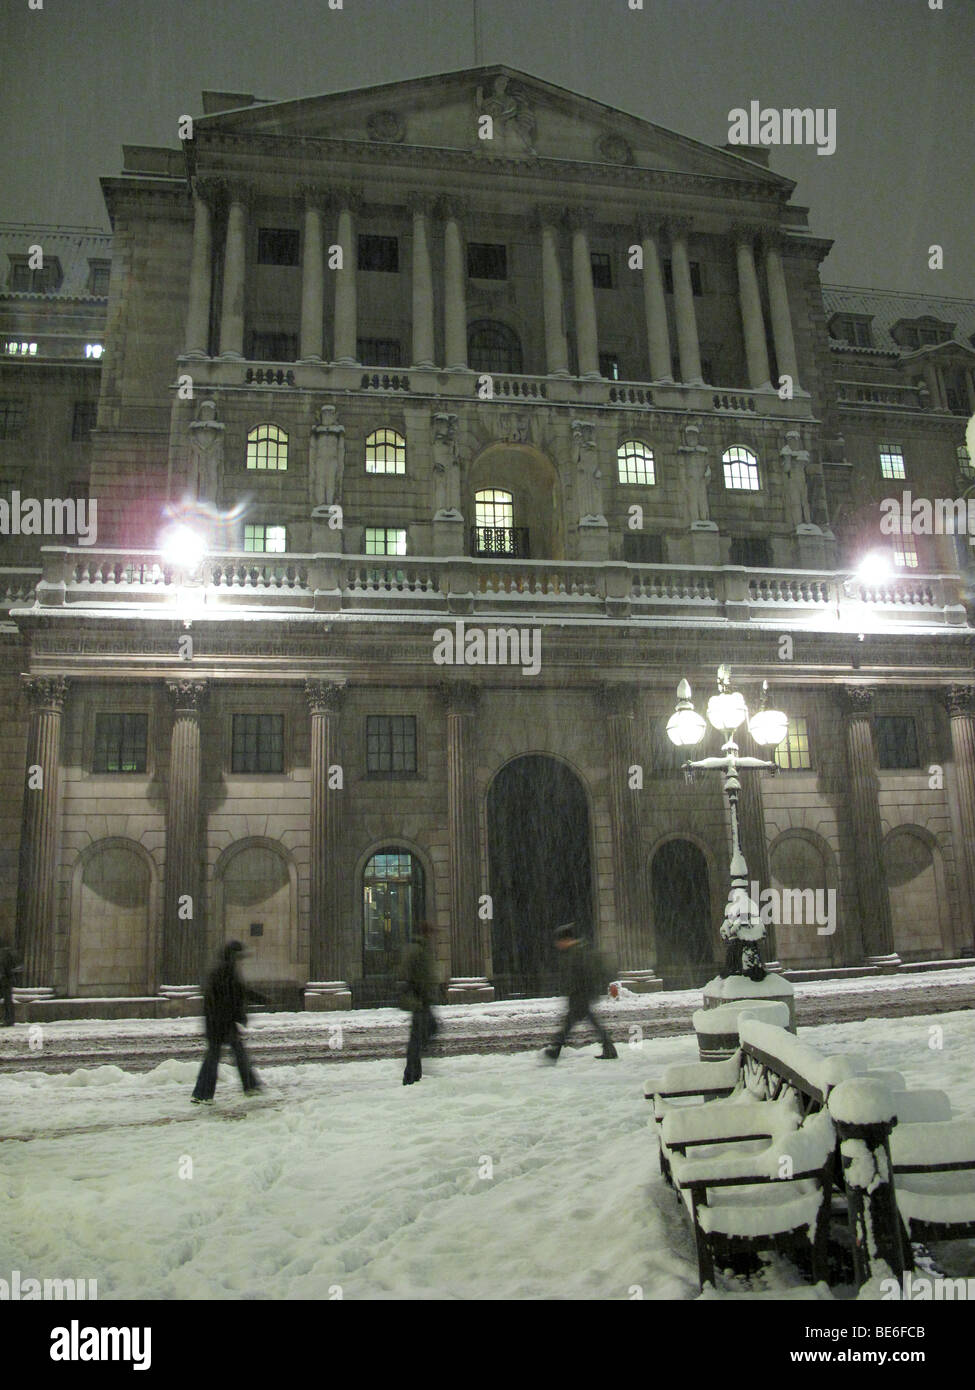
[(392, 906), (740, 469), (267, 448), (385, 452), (493, 347), (634, 462)]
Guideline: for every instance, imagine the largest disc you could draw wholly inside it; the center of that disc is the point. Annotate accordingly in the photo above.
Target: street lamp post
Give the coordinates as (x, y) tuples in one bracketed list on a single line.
[(743, 929)]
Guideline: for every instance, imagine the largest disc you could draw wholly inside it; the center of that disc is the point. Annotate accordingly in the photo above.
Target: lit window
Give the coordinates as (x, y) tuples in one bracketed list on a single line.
[(634, 463), (257, 743), (740, 469), (267, 448), (94, 350), (384, 540), (905, 552), (891, 461), (385, 452), (493, 507), (792, 754), (22, 349), (267, 540), (120, 743)]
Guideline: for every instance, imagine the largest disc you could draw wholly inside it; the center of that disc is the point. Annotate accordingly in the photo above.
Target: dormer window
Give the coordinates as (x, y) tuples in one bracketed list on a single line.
[(99, 273), (853, 329), (923, 332), (44, 280)]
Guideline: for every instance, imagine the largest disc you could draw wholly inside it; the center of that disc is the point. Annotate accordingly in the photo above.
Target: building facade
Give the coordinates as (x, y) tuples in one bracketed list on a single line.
[(424, 438)]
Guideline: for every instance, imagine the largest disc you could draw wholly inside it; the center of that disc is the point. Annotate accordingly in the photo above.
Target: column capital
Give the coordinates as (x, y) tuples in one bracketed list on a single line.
[(347, 198), (744, 233), (678, 228), (46, 692), (325, 697), (421, 203), (855, 699), (319, 197), (650, 227), (239, 191), (771, 237), (959, 700), (188, 696), (459, 697), (616, 699), (581, 220), (208, 189), (544, 215), (453, 208)]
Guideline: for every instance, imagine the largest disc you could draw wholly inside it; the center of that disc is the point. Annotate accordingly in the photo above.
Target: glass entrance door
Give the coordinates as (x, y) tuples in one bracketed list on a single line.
[(392, 899)]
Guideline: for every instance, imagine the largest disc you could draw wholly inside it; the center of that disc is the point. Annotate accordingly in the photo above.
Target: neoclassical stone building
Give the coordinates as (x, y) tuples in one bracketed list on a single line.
[(442, 427)]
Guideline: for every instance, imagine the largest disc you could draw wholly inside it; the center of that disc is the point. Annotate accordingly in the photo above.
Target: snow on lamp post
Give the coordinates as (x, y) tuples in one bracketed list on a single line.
[(742, 930)]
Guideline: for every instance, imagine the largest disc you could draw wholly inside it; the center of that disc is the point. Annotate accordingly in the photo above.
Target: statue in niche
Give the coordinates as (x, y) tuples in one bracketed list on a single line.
[(587, 472), (206, 451), (794, 460), (326, 462), (696, 475), (446, 467), (512, 117)]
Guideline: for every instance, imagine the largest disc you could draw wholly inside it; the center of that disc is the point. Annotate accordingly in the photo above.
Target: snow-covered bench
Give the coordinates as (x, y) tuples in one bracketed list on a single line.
[(934, 1178)]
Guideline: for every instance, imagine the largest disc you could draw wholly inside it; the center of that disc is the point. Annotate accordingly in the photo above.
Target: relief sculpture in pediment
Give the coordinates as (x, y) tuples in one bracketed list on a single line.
[(511, 129)]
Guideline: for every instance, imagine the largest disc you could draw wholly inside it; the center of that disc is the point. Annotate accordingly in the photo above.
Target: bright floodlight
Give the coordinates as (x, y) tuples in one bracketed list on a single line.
[(183, 547), (873, 568), (727, 710), (685, 726), (769, 727)]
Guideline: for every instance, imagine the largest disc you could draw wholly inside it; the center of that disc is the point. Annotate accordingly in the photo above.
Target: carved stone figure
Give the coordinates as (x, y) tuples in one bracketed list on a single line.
[(513, 120), (794, 460), (587, 471), (446, 467), (206, 451), (326, 462), (696, 475)]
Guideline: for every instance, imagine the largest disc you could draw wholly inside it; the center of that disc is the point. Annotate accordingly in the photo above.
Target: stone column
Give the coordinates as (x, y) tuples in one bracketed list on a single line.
[(312, 277), (547, 222), (753, 325), (421, 207), (687, 344), (234, 266), (655, 305), (467, 978), (201, 278), (326, 988), (932, 379), (346, 314), (587, 341), (40, 835), (183, 944), (778, 295), (959, 701), (876, 927), (636, 951), (455, 287)]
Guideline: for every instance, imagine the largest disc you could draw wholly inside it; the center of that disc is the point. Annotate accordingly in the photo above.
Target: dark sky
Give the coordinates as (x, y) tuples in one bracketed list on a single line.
[(82, 77)]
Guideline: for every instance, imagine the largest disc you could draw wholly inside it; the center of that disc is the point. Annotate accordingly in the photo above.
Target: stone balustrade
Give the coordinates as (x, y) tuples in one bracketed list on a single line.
[(881, 394), (96, 580), (17, 586)]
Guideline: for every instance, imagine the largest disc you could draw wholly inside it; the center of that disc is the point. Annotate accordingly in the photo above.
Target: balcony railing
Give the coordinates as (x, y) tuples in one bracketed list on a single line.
[(17, 586), (100, 581), (510, 541), (881, 394)]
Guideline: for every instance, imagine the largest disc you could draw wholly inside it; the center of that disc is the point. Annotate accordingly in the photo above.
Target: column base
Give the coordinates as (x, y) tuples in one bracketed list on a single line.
[(185, 1001), (231, 357), (312, 358), (423, 367), (324, 995), (641, 981), (887, 965), (474, 989), (196, 354), (346, 362)]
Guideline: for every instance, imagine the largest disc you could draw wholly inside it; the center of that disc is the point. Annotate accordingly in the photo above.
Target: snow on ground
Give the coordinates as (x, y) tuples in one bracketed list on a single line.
[(496, 1177)]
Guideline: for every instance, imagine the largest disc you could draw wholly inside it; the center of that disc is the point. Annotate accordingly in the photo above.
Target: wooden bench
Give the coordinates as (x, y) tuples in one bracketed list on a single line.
[(934, 1178)]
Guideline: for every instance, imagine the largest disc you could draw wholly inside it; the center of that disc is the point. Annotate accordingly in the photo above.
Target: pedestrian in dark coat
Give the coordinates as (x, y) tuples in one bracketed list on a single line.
[(585, 980), (225, 1001), (9, 967), (420, 986)]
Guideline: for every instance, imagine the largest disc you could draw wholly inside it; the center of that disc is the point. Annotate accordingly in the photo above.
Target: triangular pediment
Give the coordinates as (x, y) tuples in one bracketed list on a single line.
[(528, 119)]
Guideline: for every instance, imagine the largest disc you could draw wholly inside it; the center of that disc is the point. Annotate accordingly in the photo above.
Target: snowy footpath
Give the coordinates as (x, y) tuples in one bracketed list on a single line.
[(497, 1177)]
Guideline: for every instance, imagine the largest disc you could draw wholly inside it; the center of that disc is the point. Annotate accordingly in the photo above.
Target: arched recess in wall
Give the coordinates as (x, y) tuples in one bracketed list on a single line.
[(803, 874), (256, 901), (682, 881), (112, 948), (533, 483), (914, 870)]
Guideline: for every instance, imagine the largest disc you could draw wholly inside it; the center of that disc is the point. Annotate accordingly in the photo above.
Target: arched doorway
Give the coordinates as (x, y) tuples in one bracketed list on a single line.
[(541, 878), (393, 905), (681, 894), (113, 922)]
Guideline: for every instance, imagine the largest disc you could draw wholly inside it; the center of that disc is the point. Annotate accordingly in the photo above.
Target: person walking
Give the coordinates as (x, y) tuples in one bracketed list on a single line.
[(585, 980), (225, 1000), (9, 967), (419, 992)]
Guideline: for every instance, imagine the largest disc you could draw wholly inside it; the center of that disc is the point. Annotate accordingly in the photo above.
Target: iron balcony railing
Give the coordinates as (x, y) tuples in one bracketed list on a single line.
[(510, 541)]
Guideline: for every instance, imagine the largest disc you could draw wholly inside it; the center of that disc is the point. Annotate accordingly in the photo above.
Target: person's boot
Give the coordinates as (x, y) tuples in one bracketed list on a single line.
[(552, 1053), (608, 1052)]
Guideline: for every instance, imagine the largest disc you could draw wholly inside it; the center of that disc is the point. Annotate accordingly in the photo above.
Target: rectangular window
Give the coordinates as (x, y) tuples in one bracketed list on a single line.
[(487, 261), (120, 742), (43, 280), (83, 422), (609, 366), (258, 743), (267, 540), (905, 552), (277, 246), (378, 352), (896, 740), (99, 273), (602, 270), (391, 743), (642, 548), (384, 540), (752, 551), (20, 277), (792, 754), (274, 347), (696, 283), (891, 461), (379, 253), (13, 413)]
